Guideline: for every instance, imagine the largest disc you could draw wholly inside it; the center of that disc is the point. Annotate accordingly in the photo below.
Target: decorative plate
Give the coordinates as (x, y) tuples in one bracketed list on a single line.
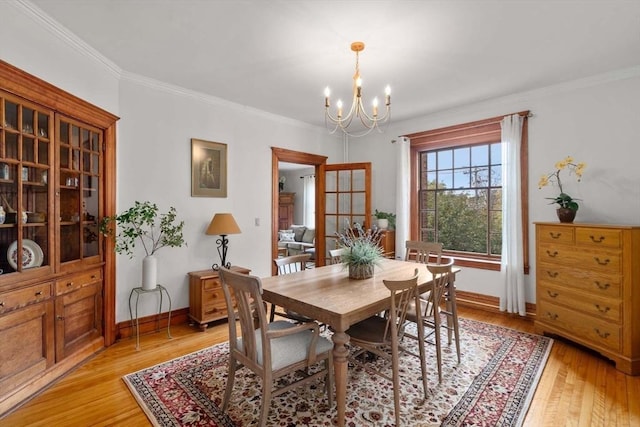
[(32, 255)]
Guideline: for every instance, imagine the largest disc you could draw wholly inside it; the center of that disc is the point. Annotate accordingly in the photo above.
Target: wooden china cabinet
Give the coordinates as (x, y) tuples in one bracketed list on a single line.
[(57, 180)]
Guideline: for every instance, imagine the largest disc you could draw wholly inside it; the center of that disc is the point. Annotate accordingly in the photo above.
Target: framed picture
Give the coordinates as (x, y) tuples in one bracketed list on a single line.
[(208, 169)]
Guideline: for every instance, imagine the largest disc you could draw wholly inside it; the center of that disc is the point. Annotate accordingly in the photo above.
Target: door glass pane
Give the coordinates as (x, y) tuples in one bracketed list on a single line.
[(358, 206), (358, 180), (331, 203), (344, 203), (344, 180), (331, 181)]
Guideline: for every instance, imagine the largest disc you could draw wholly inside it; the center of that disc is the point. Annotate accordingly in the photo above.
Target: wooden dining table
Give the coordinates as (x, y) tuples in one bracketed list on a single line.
[(328, 295)]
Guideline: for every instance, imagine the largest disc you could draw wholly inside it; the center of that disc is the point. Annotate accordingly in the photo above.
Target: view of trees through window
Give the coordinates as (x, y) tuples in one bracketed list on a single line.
[(460, 198)]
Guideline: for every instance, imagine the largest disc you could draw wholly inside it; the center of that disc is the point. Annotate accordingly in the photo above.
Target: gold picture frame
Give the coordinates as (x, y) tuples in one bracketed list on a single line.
[(208, 168)]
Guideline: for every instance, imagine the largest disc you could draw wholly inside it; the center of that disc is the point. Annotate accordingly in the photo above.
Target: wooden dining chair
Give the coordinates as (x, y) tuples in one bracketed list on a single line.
[(381, 336), (431, 309), (335, 255), (273, 349), (422, 252), (288, 265)]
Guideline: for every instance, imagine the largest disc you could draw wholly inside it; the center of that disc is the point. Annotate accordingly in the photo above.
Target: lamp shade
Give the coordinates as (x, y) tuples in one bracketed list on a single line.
[(223, 223)]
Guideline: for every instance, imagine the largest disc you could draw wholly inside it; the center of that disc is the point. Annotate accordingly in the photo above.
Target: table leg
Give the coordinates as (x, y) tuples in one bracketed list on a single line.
[(340, 352)]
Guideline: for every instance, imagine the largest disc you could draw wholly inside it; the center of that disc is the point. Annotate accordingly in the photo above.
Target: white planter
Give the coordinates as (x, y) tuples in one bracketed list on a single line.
[(149, 272), (383, 223)]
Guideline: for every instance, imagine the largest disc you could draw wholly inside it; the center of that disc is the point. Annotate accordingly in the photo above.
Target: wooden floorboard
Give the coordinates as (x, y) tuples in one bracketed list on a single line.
[(577, 387)]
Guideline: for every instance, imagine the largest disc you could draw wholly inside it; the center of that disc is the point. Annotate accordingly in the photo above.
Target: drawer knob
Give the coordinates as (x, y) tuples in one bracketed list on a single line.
[(552, 294), (603, 262), (553, 274), (60, 317), (555, 235), (1, 303), (602, 309), (601, 334), (69, 284), (552, 254), (38, 293), (552, 316), (602, 286), (598, 240)]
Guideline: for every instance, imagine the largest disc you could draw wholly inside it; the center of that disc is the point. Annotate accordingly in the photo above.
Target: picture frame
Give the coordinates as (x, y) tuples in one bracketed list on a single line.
[(208, 168)]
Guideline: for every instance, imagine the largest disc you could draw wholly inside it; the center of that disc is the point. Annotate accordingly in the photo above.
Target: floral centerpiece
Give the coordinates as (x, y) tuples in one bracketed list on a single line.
[(364, 251), (567, 204)]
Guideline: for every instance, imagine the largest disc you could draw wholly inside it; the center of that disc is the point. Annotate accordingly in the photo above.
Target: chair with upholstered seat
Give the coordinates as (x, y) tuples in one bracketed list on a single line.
[(381, 335), (273, 349), (335, 255), (288, 265), (423, 252), (432, 311)]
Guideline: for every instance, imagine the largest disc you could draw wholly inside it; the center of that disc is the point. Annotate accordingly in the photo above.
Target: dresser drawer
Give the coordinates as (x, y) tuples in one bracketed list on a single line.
[(602, 284), (599, 332), (556, 234), (76, 281), (19, 298), (599, 237), (599, 308), (609, 261)]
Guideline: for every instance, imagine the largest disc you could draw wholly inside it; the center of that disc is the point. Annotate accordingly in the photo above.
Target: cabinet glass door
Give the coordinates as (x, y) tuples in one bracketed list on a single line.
[(80, 148), (25, 191)]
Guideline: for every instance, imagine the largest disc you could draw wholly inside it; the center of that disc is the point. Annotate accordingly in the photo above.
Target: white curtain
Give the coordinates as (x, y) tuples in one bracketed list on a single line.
[(403, 184), (309, 209), (512, 298)]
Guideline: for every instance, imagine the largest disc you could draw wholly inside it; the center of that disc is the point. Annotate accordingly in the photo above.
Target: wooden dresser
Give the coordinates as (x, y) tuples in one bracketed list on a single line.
[(206, 298), (588, 288), (388, 243), (286, 204)]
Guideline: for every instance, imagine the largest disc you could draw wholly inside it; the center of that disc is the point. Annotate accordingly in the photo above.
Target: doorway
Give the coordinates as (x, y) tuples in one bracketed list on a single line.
[(318, 162)]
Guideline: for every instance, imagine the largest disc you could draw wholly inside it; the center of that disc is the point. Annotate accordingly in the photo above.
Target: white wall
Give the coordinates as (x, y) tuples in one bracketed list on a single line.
[(594, 120)]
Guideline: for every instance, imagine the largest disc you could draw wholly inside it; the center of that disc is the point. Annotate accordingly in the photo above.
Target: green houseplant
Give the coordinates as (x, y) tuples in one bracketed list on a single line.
[(364, 251), (144, 224), (389, 217)]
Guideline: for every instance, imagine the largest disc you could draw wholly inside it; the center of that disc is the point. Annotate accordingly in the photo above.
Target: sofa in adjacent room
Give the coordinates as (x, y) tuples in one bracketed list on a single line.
[(298, 239)]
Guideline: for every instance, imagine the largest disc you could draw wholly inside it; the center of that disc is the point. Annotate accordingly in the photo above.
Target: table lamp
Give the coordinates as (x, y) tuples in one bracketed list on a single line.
[(222, 224)]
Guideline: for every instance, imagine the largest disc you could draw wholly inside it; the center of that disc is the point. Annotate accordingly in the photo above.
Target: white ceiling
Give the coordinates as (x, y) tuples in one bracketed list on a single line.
[(278, 55)]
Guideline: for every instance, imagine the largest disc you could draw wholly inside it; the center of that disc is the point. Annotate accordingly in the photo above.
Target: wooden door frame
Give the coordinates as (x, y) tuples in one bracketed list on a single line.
[(319, 162)]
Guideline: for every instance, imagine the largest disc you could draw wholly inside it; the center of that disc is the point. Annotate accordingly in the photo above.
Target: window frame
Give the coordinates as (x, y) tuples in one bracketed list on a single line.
[(472, 133)]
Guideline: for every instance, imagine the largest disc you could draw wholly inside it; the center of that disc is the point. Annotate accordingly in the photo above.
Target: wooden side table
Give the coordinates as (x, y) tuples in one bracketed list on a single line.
[(206, 298)]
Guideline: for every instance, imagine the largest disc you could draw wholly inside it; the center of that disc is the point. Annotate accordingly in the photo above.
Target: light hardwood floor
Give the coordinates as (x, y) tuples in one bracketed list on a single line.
[(577, 388)]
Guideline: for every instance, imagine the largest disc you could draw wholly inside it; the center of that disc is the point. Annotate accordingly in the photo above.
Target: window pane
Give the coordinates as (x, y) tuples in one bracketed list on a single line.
[(461, 157), (445, 179), (461, 178), (445, 159), (480, 155)]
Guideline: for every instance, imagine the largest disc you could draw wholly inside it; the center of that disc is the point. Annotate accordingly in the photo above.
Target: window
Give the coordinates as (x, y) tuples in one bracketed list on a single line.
[(460, 199), (456, 196)]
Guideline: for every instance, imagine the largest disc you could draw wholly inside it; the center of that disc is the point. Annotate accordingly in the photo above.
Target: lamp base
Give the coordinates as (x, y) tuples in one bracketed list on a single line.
[(216, 267)]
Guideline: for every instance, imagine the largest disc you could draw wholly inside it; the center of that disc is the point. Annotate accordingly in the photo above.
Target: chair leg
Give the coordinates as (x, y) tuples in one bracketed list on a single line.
[(436, 324), (230, 379), (454, 315), (265, 405), (272, 313), (329, 379), (396, 374)]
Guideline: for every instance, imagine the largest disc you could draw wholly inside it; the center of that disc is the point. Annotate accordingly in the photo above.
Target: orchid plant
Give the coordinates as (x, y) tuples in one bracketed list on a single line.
[(563, 199)]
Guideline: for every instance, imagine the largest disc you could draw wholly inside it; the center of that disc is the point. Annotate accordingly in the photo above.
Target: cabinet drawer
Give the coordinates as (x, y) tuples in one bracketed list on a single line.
[(18, 298), (603, 284), (597, 260), (599, 308), (599, 237), (77, 281), (585, 327), (556, 234)]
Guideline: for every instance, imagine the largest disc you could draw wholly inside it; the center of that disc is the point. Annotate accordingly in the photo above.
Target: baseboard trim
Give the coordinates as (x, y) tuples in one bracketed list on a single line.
[(488, 303), (151, 323)]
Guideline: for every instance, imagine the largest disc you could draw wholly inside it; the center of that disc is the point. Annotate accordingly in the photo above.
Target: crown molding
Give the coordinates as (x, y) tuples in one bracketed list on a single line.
[(210, 99), (64, 34)]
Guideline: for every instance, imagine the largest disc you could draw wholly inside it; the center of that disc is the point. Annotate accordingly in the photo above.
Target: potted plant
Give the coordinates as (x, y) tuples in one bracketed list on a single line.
[(385, 219), (363, 251), (142, 223), (567, 205)]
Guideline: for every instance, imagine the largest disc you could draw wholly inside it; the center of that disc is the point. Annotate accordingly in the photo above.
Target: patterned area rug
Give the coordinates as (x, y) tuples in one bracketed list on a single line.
[(492, 386)]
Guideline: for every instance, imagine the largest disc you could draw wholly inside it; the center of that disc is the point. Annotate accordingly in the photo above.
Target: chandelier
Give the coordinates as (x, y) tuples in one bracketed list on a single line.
[(343, 121)]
